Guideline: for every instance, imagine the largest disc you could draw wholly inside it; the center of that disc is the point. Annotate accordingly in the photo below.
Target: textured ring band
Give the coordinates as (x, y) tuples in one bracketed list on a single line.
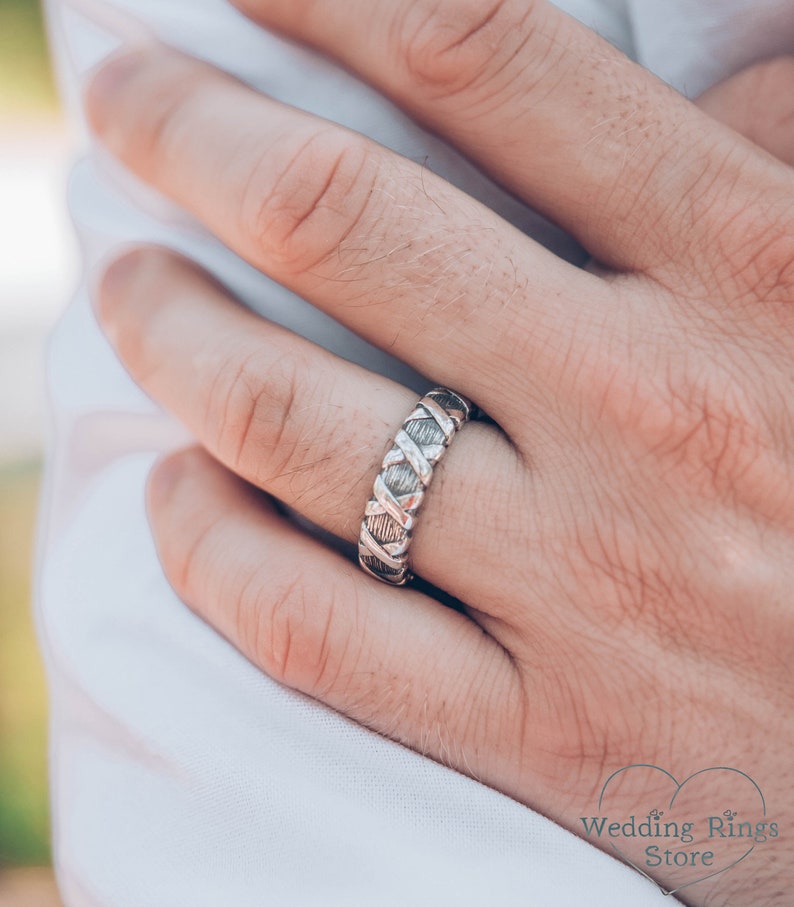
[(399, 489)]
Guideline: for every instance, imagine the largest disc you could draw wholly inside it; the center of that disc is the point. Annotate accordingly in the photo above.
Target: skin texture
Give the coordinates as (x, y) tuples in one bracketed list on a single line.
[(621, 541)]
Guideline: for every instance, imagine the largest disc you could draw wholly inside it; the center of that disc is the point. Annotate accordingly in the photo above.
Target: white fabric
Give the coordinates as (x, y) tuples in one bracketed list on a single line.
[(181, 775)]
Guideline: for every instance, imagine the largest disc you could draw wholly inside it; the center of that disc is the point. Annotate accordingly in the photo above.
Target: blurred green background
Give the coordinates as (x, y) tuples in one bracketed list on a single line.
[(23, 768), (26, 92), (25, 80)]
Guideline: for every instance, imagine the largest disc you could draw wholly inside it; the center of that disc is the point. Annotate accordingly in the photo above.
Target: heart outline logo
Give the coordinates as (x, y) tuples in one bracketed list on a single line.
[(678, 788)]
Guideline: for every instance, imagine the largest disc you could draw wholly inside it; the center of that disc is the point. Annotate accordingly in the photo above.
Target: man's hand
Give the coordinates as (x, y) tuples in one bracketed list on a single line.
[(622, 539)]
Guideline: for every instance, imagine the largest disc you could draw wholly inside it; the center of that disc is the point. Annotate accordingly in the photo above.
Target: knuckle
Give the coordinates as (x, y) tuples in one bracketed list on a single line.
[(274, 629), (264, 429), (448, 47), (292, 634), (708, 434), (745, 221), (764, 264), (704, 428), (318, 197), (251, 412), (627, 557)]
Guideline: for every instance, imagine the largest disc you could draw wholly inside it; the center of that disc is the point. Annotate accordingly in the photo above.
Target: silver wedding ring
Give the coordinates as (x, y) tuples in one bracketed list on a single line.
[(399, 490)]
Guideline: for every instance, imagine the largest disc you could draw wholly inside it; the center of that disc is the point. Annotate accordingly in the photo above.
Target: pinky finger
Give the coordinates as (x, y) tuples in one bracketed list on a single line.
[(394, 660)]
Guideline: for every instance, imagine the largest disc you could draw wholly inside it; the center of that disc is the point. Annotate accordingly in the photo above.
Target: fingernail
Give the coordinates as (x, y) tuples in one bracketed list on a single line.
[(110, 282), (163, 479), (106, 83)]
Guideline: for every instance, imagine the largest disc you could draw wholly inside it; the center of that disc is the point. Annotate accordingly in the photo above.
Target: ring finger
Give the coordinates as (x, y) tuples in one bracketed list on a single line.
[(305, 426)]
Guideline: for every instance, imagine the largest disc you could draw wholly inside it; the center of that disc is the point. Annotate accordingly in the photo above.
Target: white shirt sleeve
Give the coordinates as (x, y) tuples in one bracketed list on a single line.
[(181, 775)]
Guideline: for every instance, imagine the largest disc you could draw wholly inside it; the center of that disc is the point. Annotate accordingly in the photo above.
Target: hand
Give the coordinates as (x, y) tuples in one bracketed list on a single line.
[(622, 543)]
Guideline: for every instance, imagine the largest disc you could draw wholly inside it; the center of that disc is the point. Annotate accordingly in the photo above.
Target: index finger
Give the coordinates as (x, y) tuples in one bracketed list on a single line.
[(620, 160)]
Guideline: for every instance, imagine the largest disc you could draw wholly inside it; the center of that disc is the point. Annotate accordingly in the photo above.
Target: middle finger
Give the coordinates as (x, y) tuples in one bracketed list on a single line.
[(395, 253)]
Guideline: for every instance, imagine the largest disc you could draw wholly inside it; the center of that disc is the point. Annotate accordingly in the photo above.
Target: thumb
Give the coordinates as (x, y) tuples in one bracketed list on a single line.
[(758, 102)]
